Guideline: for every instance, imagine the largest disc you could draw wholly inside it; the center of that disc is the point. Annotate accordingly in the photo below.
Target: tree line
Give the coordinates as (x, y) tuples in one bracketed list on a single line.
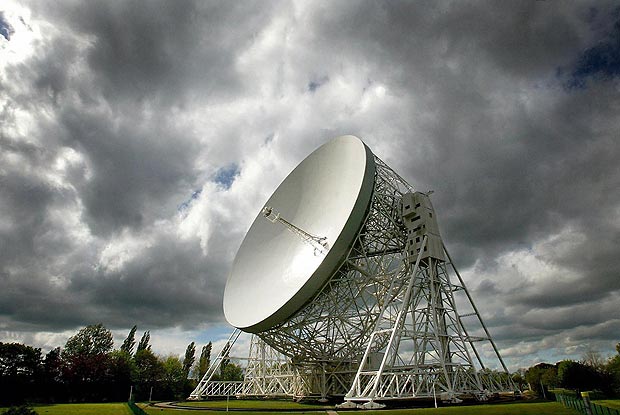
[(591, 373), (89, 369)]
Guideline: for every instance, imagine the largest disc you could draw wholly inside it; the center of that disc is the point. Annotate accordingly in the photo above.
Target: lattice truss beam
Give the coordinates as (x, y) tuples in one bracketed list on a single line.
[(356, 313), (335, 325), (331, 332), (207, 386), (430, 350), (270, 373), (381, 327)]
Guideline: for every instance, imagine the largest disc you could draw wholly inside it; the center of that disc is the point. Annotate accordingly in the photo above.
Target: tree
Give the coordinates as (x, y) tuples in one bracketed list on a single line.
[(130, 341), (190, 357), (534, 377), (205, 360), (613, 369), (593, 359), (575, 375), (519, 378), (52, 365), (86, 358), (90, 341), (149, 372), (17, 359), (20, 366), (232, 372), (52, 376), (121, 371), (173, 378), (549, 377), (144, 342)]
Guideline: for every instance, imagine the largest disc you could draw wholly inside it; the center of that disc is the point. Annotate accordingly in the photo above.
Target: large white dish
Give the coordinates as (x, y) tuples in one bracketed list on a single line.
[(275, 272)]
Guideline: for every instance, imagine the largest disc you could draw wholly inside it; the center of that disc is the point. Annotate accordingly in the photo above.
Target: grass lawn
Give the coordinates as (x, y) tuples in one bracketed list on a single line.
[(538, 408), (254, 404), (544, 408), (611, 403), (81, 409)]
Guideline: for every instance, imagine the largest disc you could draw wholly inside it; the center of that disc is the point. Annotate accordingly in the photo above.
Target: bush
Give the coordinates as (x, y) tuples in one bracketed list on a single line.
[(20, 410)]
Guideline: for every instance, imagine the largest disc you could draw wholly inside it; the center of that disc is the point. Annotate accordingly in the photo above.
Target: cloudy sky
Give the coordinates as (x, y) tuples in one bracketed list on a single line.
[(138, 141)]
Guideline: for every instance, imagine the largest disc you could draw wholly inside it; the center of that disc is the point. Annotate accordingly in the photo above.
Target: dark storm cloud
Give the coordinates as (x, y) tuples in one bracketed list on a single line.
[(522, 184), (32, 303), (136, 165), (519, 39), (167, 285), (504, 177), (507, 177), (135, 168), (160, 51), (26, 200), (136, 109)]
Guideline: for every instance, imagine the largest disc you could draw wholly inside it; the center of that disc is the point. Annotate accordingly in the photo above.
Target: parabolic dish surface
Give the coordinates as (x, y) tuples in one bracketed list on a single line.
[(275, 271)]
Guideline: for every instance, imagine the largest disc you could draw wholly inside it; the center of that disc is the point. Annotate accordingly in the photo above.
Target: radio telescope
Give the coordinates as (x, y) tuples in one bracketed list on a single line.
[(345, 283)]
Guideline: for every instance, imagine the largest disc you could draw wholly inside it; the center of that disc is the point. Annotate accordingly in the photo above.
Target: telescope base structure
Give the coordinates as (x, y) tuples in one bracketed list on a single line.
[(430, 353), (385, 326), (270, 374)]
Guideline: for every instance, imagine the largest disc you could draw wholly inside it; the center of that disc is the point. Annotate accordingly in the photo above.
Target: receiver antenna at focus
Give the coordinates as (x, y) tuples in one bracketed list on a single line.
[(319, 243)]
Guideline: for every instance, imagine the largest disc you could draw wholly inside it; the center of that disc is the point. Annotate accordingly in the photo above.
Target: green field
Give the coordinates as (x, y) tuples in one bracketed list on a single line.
[(544, 408), (612, 403), (255, 404)]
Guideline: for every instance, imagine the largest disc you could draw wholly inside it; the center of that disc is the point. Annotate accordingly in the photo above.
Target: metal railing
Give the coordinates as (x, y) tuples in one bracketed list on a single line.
[(223, 388), (585, 406), (135, 409)]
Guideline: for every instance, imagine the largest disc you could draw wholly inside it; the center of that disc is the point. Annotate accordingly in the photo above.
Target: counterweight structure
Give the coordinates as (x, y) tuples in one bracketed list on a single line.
[(430, 352), (385, 325)]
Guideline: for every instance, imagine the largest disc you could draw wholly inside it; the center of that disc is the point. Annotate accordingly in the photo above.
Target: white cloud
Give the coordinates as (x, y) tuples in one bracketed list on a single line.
[(111, 123)]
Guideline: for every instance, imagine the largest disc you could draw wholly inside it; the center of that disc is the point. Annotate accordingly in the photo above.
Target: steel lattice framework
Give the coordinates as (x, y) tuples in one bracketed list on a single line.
[(333, 329), (270, 373), (207, 386), (430, 353), (385, 325)]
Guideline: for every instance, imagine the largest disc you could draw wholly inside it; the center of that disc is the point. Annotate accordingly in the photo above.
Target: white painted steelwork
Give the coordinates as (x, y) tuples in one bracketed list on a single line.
[(221, 388), (334, 326), (381, 321), (206, 386), (318, 243), (429, 352), (270, 373)]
